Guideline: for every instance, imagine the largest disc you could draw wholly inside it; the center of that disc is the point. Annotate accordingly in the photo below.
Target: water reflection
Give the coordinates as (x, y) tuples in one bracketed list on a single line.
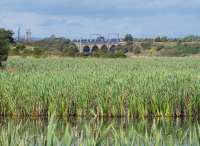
[(109, 131)]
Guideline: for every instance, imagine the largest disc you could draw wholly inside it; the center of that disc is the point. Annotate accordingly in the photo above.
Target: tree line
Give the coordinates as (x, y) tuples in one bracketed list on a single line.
[(159, 46)]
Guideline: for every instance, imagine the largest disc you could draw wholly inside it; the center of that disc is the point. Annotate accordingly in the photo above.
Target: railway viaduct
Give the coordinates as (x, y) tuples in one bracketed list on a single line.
[(91, 45)]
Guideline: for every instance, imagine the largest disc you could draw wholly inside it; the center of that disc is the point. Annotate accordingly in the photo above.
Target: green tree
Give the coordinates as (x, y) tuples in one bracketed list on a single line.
[(164, 39), (161, 39), (128, 38), (129, 42), (5, 40), (157, 39)]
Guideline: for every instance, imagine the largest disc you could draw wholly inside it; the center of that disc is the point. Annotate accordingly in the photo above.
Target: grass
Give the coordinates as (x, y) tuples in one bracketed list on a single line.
[(155, 132), (137, 87)]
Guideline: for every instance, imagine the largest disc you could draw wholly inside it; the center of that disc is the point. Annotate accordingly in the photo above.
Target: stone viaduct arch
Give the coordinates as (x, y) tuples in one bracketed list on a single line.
[(95, 48), (104, 48), (86, 49), (92, 48), (112, 48), (89, 46)]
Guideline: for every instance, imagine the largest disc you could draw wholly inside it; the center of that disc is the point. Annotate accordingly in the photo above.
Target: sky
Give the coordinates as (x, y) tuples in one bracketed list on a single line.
[(80, 18)]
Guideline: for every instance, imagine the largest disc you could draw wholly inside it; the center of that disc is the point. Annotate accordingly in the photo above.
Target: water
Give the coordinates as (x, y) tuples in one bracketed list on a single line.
[(108, 131)]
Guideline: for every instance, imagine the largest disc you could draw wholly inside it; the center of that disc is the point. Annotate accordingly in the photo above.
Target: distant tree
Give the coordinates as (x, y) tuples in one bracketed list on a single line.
[(164, 39), (157, 39), (179, 42), (128, 38), (161, 39), (5, 40), (129, 42)]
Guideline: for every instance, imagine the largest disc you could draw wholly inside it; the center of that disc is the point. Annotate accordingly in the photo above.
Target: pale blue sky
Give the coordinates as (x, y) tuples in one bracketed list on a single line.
[(79, 18)]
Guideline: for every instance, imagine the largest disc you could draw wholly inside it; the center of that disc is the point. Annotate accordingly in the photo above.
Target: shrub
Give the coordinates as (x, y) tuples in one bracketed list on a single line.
[(137, 50), (97, 54), (19, 49), (160, 47), (117, 54), (147, 45), (71, 50), (38, 52)]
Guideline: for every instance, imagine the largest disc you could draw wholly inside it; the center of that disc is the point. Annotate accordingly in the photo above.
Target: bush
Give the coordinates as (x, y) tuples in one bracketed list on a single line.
[(55, 44), (97, 54), (123, 48), (71, 50), (188, 49), (147, 45), (27, 52), (38, 51), (160, 47), (117, 54), (137, 50), (181, 50), (19, 49), (169, 53)]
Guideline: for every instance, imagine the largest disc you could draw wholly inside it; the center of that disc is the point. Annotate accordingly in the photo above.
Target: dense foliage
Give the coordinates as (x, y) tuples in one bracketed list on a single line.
[(57, 45), (5, 40)]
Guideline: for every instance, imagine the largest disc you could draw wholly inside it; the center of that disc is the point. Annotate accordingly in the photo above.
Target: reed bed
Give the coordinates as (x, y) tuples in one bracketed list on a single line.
[(140, 87), (158, 132)]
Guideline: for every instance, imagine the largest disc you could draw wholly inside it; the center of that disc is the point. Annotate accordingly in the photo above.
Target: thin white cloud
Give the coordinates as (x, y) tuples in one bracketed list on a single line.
[(73, 18)]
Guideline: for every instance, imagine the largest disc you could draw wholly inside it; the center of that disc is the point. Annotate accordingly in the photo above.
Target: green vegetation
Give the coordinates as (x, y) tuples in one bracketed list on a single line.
[(5, 40), (191, 38), (160, 46), (48, 46), (180, 50), (161, 39), (19, 49), (117, 54), (128, 38), (59, 46), (101, 87), (159, 132)]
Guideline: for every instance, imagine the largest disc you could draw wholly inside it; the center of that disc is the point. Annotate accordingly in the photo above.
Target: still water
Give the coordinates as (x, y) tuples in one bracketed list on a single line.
[(82, 131)]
